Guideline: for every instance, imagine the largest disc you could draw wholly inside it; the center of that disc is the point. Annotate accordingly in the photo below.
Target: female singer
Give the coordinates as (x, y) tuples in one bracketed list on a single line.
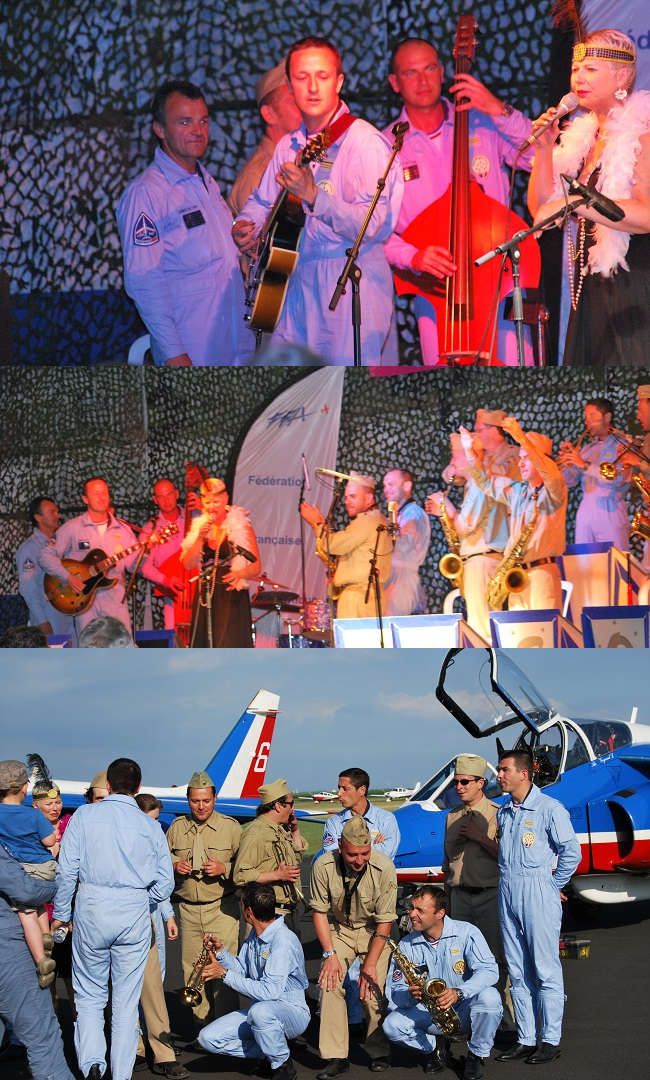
[(607, 147), (222, 546)]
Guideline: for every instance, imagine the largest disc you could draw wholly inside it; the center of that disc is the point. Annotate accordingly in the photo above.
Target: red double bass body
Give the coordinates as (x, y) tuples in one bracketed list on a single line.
[(173, 567), (468, 223)]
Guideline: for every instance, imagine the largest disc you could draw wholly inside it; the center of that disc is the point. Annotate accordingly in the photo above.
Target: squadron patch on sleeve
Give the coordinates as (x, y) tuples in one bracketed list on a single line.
[(145, 232), (459, 967), (528, 839), (397, 975), (28, 566)]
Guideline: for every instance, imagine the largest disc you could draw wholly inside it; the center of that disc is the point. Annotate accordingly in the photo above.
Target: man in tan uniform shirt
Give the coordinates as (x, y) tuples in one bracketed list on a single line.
[(271, 849), (353, 893), (203, 845), (470, 863), (353, 548)]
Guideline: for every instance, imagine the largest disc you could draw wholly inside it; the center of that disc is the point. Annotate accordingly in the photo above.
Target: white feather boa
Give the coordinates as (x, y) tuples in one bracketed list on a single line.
[(238, 531), (626, 124)]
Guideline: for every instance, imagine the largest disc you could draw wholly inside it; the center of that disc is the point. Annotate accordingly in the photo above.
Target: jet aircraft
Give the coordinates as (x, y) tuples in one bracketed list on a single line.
[(598, 769), (237, 769)]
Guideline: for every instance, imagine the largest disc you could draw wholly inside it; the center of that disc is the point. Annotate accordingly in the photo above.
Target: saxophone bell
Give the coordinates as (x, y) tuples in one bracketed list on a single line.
[(451, 567), (516, 579)]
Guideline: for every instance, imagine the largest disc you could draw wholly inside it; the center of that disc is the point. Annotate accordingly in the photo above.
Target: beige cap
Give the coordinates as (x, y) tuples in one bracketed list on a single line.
[(490, 416), (100, 780), (471, 765), (270, 81), (541, 443), (363, 481), (200, 780), (356, 831), (270, 792), (212, 486), (644, 390), (12, 774)]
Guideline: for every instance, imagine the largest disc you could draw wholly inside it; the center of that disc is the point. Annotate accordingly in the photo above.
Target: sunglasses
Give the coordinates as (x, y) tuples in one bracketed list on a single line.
[(287, 802), (464, 783)]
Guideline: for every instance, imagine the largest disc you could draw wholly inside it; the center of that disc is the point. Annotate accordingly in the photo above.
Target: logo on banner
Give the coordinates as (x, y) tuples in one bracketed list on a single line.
[(285, 419)]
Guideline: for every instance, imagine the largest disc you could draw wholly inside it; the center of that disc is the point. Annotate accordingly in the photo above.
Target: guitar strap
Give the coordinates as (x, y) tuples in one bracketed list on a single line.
[(338, 128)]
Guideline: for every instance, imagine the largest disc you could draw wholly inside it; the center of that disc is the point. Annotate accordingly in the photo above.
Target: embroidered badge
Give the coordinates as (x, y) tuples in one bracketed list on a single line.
[(459, 967), (397, 975), (455, 952), (145, 232), (83, 545), (28, 565), (529, 824), (327, 186), (528, 839), (411, 172), (481, 166), (265, 954)]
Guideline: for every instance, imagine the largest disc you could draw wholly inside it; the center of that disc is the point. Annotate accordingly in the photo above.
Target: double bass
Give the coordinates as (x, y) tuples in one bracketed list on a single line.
[(183, 600), (469, 223)]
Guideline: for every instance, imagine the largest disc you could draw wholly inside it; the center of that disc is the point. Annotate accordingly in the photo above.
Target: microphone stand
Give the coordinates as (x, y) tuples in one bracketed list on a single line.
[(327, 526), (302, 536), (373, 582), (511, 250), (351, 272)]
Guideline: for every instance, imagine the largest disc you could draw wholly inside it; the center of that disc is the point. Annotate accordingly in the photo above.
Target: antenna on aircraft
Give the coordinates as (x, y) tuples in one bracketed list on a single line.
[(635, 713)]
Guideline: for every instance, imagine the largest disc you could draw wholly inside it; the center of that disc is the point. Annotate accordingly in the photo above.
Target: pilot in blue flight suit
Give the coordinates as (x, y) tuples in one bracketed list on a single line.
[(534, 833), (44, 516), (118, 860), (181, 266), (457, 952), (270, 970)]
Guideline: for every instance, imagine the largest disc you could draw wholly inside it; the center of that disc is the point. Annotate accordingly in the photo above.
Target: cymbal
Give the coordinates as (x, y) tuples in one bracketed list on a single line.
[(273, 599), (266, 585)]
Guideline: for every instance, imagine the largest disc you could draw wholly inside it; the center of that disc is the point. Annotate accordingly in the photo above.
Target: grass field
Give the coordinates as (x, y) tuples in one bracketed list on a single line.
[(313, 830)]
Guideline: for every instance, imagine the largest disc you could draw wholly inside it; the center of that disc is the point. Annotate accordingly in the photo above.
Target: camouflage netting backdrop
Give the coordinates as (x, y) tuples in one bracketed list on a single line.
[(134, 426), (78, 79)]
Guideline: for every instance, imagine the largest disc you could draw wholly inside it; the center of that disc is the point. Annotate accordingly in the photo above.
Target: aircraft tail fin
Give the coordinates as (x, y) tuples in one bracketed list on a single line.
[(238, 768)]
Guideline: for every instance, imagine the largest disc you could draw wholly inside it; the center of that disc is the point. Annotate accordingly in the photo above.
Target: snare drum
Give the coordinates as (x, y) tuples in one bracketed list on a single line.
[(316, 622)]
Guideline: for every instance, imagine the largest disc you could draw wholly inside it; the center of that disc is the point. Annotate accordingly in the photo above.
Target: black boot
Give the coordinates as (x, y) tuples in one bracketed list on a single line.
[(334, 1067), (95, 1073), (547, 1052), (519, 1050), (473, 1067)]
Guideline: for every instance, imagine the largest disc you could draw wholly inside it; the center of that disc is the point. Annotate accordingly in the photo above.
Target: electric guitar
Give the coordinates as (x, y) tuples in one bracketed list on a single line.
[(92, 570), (267, 280)]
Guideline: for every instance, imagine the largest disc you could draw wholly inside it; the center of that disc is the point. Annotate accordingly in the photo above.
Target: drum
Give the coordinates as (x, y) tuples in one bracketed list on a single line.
[(316, 622)]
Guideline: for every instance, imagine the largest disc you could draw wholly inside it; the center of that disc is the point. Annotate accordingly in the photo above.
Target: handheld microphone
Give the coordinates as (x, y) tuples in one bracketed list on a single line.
[(332, 472), (400, 128), (566, 105), (611, 210)]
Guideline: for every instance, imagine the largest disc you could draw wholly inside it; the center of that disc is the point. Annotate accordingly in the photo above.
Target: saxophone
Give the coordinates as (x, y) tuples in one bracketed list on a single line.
[(451, 564), (447, 1019), (641, 522), (509, 575)]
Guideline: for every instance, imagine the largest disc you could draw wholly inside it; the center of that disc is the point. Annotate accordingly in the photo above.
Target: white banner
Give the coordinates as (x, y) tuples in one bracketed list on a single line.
[(629, 16), (301, 420)]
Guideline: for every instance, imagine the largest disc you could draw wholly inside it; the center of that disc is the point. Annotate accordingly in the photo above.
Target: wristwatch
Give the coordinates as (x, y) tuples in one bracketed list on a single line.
[(460, 993), (507, 109), (328, 953)]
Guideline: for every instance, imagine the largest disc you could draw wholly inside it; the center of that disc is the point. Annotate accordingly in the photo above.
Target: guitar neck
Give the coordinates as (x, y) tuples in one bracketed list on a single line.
[(273, 213), (112, 560)]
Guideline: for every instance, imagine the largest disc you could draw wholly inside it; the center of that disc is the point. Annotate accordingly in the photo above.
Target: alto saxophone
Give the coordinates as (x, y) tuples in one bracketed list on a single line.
[(447, 1019), (641, 522), (510, 575), (451, 564)]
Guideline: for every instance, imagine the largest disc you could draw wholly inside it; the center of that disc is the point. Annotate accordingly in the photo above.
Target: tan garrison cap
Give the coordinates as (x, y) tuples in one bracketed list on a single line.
[(490, 416), (270, 81), (277, 790), (356, 832), (212, 486), (12, 774), (540, 442), (471, 765), (101, 780), (200, 780), (644, 390), (363, 481)]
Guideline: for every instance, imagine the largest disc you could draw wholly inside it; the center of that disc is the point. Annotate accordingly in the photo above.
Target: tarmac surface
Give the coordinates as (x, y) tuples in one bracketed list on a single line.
[(606, 1023)]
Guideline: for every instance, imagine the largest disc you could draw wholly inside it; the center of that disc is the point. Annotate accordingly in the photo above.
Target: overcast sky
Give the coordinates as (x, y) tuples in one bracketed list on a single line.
[(170, 710)]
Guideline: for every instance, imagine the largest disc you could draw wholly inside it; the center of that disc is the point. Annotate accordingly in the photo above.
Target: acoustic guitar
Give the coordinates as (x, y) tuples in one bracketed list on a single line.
[(268, 277), (92, 570)]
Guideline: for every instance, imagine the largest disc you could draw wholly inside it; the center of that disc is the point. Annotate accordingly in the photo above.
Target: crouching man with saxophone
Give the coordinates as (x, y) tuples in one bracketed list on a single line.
[(537, 505), (270, 970), (442, 950)]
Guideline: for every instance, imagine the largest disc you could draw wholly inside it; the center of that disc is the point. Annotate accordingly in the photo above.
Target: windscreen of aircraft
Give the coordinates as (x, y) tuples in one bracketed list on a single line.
[(486, 691)]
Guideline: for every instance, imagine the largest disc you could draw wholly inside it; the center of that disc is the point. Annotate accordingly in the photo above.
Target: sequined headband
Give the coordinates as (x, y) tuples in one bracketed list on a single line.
[(622, 56)]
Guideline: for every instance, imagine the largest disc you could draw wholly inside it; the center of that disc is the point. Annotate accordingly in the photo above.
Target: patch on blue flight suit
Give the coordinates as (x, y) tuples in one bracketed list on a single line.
[(265, 954), (29, 565), (459, 967), (397, 975), (411, 172), (83, 545), (193, 218), (145, 232), (528, 839)]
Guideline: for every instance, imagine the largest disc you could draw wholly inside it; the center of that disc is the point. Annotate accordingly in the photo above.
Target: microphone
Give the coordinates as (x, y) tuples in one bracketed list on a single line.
[(611, 210), (305, 472), (332, 472), (400, 128), (566, 105), (245, 554), (393, 528)]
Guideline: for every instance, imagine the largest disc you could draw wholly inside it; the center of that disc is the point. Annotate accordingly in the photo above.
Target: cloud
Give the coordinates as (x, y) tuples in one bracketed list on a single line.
[(403, 702)]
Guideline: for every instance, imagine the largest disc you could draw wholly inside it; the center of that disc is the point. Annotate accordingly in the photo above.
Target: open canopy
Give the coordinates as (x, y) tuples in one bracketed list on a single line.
[(486, 691)]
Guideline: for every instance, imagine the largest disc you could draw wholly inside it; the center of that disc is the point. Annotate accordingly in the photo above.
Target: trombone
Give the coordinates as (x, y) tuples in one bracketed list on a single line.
[(629, 445)]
